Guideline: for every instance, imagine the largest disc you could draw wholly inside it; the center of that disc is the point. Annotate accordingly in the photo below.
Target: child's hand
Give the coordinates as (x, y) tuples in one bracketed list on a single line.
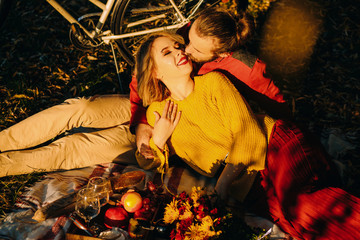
[(165, 124)]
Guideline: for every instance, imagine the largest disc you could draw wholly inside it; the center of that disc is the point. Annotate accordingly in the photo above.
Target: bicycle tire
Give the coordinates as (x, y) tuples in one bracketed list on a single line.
[(4, 10), (128, 11)]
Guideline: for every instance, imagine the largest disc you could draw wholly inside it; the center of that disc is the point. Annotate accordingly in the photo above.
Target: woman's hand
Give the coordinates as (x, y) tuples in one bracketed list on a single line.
[(165, 124)]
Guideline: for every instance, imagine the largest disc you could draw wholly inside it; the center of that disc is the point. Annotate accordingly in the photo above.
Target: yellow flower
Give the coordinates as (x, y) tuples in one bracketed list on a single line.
[(207, 221), (194, 233), (195, 195), (206, 226), (171, 212), (187, 213)]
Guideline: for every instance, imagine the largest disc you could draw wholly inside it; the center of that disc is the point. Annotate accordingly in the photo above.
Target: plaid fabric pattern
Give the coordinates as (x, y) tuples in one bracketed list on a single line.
[(302, 190), (58, 185)]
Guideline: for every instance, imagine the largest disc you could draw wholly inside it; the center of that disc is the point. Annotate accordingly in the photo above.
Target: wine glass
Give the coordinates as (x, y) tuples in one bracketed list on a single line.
[(87, 204), (102, 187)]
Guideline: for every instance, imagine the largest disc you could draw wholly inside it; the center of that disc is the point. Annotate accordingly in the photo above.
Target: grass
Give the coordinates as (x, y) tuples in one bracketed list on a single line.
[(12, 187), (40, 68)]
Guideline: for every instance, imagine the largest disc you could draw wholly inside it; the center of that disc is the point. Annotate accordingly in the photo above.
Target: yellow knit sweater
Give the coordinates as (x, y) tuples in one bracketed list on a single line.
[(215, 122)]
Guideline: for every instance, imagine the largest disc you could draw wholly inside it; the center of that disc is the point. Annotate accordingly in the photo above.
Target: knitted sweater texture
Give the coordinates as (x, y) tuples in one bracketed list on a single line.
[(215, 122)]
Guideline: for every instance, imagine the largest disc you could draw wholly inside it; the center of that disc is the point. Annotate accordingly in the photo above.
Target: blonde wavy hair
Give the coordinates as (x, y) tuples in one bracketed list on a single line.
[(150, 88)]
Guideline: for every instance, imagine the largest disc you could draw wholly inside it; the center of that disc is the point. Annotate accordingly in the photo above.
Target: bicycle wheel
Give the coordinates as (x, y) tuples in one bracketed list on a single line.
[(78, 38), (137, 15)]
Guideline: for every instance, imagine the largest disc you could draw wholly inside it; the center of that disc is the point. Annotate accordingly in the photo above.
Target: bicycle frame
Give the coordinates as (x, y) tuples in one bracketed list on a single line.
[(107, 36)]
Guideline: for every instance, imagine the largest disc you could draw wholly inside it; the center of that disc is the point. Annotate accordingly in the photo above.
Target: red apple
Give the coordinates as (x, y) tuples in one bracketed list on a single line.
[(116, 217), (131, 201)]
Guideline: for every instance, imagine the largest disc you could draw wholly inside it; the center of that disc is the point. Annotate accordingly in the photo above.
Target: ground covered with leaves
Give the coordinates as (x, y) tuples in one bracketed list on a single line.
[(324, 91), (40, 68)]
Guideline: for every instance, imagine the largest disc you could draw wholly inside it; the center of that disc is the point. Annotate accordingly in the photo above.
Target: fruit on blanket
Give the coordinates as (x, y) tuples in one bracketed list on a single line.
[(116, 217), (131, 201)]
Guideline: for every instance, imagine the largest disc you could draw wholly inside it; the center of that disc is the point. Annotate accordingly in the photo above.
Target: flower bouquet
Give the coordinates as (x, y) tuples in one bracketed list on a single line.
[(198, 216), (193, 216)]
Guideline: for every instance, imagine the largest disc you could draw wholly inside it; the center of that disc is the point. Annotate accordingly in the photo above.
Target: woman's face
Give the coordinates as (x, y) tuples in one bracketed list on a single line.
[(170, 59)]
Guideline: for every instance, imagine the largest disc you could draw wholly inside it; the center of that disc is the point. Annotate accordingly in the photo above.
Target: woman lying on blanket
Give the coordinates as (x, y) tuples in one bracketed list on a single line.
[(269, 163)]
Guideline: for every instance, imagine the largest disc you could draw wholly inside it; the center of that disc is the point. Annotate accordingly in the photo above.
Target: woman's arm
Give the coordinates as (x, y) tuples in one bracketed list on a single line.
[(164, 126), (249, 144)]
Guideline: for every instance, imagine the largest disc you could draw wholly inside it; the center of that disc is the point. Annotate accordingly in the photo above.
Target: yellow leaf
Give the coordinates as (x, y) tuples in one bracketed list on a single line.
[(17, 96)]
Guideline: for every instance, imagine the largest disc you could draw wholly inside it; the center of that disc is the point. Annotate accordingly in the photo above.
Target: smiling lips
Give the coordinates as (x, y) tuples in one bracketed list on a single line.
[(184, 60)]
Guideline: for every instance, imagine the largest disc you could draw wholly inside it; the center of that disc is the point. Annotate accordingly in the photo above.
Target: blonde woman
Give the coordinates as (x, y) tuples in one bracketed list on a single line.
[(207, 123)]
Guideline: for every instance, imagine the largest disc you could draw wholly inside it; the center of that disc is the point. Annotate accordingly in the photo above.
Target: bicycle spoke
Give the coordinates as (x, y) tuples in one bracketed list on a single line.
[(136, 18)]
